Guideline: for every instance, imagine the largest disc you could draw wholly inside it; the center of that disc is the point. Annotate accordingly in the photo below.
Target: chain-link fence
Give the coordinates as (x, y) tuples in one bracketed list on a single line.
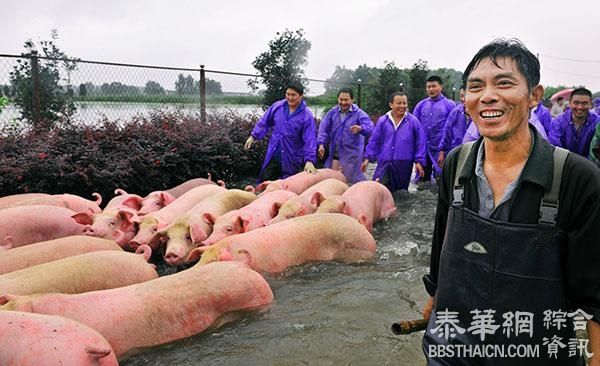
[(34, 87)]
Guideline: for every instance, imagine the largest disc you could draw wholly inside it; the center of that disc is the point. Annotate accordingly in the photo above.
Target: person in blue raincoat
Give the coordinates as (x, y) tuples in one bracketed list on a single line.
[(573, 129), (292, 145), (432, 112), (344, 128), (454, 129), (397, 142)]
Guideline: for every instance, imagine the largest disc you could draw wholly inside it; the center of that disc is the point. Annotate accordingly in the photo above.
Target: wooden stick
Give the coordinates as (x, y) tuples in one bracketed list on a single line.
[(409, 326)]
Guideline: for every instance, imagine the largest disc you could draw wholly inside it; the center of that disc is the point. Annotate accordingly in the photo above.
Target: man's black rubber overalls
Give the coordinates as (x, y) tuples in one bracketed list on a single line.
[(506, 267)]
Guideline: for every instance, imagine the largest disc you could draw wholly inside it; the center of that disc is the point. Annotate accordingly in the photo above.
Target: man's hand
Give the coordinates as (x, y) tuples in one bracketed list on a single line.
[(363, 166), (310, 168), (440, 159), (355, 129), (321, 151), (427, 309), (249, 143), (419, 169)]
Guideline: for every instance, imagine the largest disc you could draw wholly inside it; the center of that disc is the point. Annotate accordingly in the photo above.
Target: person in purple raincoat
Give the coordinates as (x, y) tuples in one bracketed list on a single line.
[(432, 112), (344, 129), (596, 103), (397, 142), (293, 142), (454, 129), (574, 128), (543, 115)]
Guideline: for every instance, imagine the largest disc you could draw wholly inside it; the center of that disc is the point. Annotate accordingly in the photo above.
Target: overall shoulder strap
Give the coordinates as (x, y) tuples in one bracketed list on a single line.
[(549, 205), (458, 190)]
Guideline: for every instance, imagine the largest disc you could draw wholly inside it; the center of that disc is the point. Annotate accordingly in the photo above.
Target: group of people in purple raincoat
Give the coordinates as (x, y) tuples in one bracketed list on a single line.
[(400, 141)]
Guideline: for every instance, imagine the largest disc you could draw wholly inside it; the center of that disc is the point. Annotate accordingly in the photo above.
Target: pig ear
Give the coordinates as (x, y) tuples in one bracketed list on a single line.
[(317, 198), (275, 209), (262, 186), (363, 220), (196, 254), (166, 198), (221, 183), (284, 186), (4, 299), (134, 202), (83, 218), (197, 234), (209, 218), (120, 192), (249, 188), (243, 224)]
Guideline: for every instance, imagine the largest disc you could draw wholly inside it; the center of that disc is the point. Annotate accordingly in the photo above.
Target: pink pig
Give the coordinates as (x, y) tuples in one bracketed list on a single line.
[(29, 224), (81, 273), (163, 310), (256, 214), (190, 229), (118, 225), (366, 201), (300, 182), (302, 205), (312, 238), (51, 250), (28, 339), (70, 201), (7, 201), (150, 224)]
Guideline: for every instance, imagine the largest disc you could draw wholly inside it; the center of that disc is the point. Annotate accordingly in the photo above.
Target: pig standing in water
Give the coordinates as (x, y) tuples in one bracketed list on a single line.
[(51, 250), (30, 224), (366, 201), (255, 215), (302, 205), (300, 182), (312, 238), (70, 201), (81, 273), (28, 339), (190, 229), (160, 311), (150, 224)]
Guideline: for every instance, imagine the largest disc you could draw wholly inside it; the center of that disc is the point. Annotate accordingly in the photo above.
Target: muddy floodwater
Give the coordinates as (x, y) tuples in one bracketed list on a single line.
[(329, 313)]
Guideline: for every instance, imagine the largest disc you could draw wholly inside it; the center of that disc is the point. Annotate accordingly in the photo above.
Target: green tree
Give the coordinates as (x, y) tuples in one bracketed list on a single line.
[(341, 78), (185, 85), (282, 64), (213, 87), (417, 76), (82, 90), (550, 90), (154, 88), (55, 102), (452, 80), (390, 79)]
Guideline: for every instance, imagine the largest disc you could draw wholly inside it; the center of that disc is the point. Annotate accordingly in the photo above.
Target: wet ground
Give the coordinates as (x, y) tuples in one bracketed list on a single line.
[(330, 313)]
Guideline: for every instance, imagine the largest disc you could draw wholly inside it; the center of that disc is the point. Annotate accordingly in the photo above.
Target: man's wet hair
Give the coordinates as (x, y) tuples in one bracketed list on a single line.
[(297, 87), (434, 78), (580, 91), (348, 91), (514, 49), (395, 94)]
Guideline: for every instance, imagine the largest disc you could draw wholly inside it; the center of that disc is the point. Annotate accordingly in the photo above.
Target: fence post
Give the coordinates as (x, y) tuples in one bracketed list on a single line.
[(359, 94), (36, 89), (202, 94)]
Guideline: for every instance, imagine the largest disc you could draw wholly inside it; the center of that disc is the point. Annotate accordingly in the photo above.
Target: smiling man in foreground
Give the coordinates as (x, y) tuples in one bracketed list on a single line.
[(515, 246)]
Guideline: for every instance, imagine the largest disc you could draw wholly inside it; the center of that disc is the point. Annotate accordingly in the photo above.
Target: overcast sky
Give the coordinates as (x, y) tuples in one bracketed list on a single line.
[(228, 35)]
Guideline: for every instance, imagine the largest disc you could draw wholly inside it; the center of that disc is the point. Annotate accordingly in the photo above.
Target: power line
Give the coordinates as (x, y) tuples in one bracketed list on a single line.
[(571, 59)]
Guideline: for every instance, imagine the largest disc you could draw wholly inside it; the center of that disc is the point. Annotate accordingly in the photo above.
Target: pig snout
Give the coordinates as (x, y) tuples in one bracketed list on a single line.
[(88, 230), (175, 256)]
